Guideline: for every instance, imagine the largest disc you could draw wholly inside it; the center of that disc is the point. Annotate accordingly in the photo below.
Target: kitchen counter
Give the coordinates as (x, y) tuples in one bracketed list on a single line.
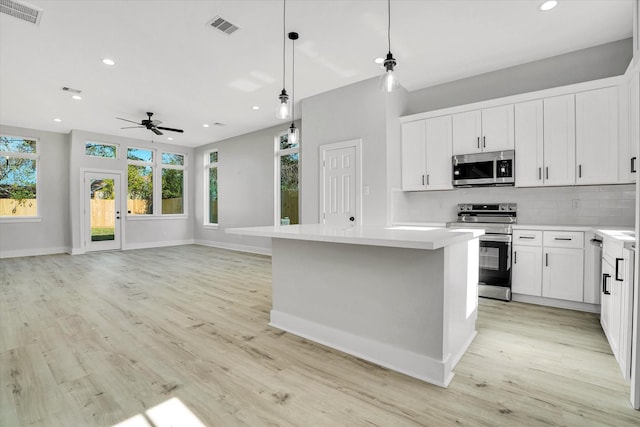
[(401, 297)]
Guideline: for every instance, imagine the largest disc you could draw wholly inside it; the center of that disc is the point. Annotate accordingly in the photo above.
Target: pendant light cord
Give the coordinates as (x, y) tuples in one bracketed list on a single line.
[(389, 24), (284, 40), (293, 83)]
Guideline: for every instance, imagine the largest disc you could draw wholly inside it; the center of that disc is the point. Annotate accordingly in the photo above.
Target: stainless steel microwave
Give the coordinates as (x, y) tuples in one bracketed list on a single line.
[(488, 169)]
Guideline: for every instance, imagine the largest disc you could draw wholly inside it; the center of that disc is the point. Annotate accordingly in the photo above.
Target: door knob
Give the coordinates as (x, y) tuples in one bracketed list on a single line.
[(351, 219)]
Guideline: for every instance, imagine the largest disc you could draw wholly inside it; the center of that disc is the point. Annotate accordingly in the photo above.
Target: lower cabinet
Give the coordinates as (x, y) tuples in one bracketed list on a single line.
[(548, 264)]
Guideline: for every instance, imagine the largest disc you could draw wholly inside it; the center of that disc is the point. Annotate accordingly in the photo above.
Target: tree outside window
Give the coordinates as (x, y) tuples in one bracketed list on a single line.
[(18, 177)]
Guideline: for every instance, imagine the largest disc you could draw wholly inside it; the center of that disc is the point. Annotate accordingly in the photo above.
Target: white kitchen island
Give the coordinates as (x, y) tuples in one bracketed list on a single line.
[(404, 298)]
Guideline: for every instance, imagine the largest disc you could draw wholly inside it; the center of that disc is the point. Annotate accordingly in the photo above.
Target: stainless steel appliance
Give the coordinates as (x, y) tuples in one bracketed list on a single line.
[(484, 169), (495, 245)]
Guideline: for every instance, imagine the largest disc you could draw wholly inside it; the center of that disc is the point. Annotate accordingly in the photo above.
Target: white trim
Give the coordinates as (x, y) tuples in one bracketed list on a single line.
[(35, 252), (558, 303), (413, 364), (545, 93), (149, 217), (19, 219), (322, 149), (151, 245), (235, 247)]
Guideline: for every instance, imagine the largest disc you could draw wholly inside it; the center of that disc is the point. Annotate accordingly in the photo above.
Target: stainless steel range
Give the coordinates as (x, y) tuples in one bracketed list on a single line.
[(495, 244)]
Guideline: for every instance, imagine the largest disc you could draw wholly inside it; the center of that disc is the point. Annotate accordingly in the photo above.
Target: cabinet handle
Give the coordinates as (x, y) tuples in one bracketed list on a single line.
[(484, 142), (515, 257), (540, 173), (526, 237), (546, 259), (427, 179), (563, 238), (579, 171), (422, 179), (604, 284), (618, 269), (633, 164), (478, 142), (546, 172)]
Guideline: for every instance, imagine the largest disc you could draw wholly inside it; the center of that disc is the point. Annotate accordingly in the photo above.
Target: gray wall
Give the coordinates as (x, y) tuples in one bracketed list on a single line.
[(610, 59), (246, 187), (50, 234)]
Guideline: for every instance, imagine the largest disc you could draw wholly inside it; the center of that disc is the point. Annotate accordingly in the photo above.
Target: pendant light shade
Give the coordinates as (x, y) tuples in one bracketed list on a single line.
[(293, 136), (283, 111), (389, 80)]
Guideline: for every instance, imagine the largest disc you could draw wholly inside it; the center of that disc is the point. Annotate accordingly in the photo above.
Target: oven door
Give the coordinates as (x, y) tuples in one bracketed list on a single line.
[(495, 260)]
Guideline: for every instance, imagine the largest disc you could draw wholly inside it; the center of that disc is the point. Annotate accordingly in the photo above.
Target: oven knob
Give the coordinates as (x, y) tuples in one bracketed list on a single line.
[(503, 207), (512, 207)]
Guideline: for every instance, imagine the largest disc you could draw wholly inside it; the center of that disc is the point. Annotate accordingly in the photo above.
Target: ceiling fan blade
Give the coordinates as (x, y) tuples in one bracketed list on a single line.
[(127, 120), (132, 127), (156, 131), (171, 129)]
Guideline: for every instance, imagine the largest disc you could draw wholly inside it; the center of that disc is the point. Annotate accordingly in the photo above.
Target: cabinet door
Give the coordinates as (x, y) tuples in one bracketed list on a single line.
[(634, 127), (438, 148), (597, 136), (413, 156), (529, 143), (526, 273), (605, 298), (626, 314), (562, 273), (466, 132), (559, 140), (497, 128)]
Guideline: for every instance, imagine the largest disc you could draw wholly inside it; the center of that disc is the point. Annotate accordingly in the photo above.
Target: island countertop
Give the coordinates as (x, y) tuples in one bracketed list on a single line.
[(397, 236)]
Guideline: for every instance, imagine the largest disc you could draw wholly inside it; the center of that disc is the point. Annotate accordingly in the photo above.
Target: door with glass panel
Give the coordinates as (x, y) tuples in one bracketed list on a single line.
[(102, 211)]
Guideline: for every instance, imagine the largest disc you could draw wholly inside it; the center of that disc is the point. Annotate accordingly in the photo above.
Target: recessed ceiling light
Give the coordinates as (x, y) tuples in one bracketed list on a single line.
[(77, 97), (548, 5), (205, 125), (170, 139), (255, 107), (57, 120), (108, 61), (378, 60)]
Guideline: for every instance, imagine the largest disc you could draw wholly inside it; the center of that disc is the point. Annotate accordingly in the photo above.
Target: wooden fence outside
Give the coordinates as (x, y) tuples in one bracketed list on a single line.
[(28, 207)]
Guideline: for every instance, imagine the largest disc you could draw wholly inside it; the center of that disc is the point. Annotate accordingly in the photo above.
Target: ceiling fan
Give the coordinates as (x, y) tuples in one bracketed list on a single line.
[(150, 124)]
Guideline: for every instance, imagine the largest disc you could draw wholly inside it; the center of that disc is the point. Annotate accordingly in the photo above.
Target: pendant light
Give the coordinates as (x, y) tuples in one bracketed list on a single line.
[(389, 81), (293, 136), (283, 110)]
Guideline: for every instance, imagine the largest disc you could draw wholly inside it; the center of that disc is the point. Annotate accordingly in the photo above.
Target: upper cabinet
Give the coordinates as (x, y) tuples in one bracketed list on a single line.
[(426, 154), (629, 163), (597, 136), (489, 129)]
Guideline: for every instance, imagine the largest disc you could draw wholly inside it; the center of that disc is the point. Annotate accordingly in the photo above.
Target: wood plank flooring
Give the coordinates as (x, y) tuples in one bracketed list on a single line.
[(96, 339)]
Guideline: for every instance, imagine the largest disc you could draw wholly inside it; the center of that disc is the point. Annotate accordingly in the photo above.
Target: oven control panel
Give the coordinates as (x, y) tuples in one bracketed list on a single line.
[(487, 208)]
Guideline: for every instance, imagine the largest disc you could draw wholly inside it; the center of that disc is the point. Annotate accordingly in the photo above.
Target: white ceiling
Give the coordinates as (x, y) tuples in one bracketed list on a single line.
[(171, 63)]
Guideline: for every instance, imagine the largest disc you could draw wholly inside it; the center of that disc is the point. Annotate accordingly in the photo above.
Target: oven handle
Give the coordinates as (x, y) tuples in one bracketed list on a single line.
[(496, 238)]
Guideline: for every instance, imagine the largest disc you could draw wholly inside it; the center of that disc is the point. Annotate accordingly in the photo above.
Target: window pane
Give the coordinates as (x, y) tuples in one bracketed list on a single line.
[(18, 187), (284, 142), (17, 145), (213, 195), (100, 150), (289, 189), (172, 159), (172, 196), (140, 155), (140, 189), (213, 157)]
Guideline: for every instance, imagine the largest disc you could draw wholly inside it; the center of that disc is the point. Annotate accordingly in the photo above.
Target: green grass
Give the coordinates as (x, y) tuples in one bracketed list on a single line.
[(102, 233)]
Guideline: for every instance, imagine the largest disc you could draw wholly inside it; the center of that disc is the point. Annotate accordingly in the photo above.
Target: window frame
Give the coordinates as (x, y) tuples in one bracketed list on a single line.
[(154, 180), (278, 154), (108, 144), (208, 165), (183, 168), (33, 156)]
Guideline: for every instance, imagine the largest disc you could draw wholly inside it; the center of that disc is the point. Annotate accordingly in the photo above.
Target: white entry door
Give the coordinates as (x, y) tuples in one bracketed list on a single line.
[(102, 211), (340, 179)]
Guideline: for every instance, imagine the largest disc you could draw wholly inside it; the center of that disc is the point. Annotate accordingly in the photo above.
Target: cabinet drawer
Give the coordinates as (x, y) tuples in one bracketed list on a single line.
[(527, 237), (563, 239)]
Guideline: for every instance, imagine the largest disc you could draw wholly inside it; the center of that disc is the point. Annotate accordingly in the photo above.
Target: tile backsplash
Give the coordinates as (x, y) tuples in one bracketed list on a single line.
[(611, 205)]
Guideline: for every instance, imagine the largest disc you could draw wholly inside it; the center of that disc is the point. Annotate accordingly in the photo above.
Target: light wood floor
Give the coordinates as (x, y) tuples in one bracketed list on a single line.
[(97, 339)]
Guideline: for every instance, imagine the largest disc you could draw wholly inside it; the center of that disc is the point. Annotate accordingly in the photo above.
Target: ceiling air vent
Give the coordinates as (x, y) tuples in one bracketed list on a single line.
[(222, 25), (21, 10)]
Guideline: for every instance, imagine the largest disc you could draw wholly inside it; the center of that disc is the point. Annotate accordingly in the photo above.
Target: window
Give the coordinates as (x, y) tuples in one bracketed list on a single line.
[(96, 149), (287, 180), (172, 184), (211, 185), (18, 177), (140, 181)]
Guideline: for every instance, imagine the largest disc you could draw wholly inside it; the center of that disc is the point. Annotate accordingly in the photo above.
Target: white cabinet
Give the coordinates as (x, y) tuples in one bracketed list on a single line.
[(526, 275), (562, 275), (597, 136), (629, 166), (490, 129), (426, 154), (559, 141), (529, 143)]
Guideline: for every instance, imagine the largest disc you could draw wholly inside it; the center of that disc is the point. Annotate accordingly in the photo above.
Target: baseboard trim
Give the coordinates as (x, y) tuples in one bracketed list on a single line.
[(558, 303), (409, 363), (151, 245), (35, 252), (235, 247)]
